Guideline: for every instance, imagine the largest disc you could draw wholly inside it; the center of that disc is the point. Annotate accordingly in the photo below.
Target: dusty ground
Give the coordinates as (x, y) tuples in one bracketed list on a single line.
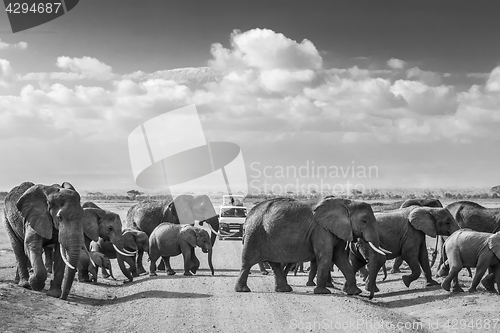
[(205, 303)]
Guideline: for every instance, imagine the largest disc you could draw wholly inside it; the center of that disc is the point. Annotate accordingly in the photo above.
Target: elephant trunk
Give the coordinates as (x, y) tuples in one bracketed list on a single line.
[(111, 272), (373, 268), (71, 254), (118, 245), (214, 223), (371, 236)]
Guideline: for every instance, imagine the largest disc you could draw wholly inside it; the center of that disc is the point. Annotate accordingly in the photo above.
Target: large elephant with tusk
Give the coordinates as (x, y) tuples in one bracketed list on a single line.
[(183, 209), (133, 241), (402, 232), (104, 224), (283, 231), (37, 216)]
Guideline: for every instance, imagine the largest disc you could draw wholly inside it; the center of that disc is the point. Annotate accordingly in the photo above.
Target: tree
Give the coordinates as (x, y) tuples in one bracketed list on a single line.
[(133, 193), (496, 189)]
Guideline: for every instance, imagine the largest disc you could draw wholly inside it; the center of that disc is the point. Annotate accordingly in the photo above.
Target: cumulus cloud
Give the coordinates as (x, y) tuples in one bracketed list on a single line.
[(427, 77), (396, 63), (6, 73), (6, 46), (86, 67), (265, 49), (270, 86)]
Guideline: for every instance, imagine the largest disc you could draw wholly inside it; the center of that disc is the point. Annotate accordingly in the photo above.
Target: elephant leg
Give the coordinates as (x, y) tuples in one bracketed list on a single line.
[(187, 253), (288, 268), (452, 275), (397, 263), (161, 266), (496, 273), (411, 256), (140, 267), (166, 263), (281, 285), (22, 274), (489, 281), (132, 267), (48, 252), (455, 286), (153, 257), (121, 263), (384, 269), (34, 248), (482, 266), (313, 270), (341, 260), (363, 272), (423, 258), (195, 262), (104, 273), (263, 269), (241, 283)]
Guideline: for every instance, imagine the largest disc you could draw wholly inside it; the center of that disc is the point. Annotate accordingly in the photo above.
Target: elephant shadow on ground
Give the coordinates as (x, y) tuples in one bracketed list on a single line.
[(381, 294), (158, 294), (417, 301)]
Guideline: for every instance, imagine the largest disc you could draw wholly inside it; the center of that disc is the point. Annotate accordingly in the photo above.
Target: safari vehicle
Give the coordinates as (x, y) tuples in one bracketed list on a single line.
[(232, 215)]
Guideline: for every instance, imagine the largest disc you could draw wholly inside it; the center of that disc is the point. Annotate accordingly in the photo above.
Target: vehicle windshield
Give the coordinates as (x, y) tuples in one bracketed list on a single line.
[(233, 212)]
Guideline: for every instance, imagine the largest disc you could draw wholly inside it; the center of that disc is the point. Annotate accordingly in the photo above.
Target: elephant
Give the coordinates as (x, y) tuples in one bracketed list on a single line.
[(133, 241), (360, 248), (183, 209), (89, 262), (106, 225), (36, 216), (469, 248), (168, 240), (423, 202), (283, 231), (402, 232), (473, 216)]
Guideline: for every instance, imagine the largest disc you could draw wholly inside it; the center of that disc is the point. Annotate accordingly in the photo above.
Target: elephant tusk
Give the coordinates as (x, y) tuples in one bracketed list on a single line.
[(384, 250), (63, 255), (376, 249), (347, 245), (122, 253), (130, 252), (213, 230)]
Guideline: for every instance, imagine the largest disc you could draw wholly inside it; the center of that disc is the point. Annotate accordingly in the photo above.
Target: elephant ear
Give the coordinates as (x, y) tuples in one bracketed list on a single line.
[(189, 235), (184, 209), (494, 244), (170, 214), (421, 219), (68, 186), (90, 222), (333, 215), (34, 207)]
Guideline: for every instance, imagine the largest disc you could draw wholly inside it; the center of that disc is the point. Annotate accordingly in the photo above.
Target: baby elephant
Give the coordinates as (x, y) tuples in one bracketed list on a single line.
[(86, 266), (468, 248), (169, 240)]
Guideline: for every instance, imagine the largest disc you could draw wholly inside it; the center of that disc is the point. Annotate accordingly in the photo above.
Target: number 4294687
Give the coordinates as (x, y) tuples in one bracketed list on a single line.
[(36, 8)]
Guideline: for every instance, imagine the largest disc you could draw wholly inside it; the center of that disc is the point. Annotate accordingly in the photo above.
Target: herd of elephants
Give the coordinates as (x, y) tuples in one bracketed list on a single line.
[(51, 231)]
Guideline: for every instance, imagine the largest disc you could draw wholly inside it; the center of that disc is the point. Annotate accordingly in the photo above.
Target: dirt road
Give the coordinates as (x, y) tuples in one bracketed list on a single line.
[(205, 303)]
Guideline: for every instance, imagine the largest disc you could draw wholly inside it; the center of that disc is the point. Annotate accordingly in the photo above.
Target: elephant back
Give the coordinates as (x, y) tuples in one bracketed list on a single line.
[(145, 215)]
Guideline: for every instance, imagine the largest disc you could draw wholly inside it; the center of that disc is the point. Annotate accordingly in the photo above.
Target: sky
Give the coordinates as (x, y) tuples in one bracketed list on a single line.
[(378, 94)]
